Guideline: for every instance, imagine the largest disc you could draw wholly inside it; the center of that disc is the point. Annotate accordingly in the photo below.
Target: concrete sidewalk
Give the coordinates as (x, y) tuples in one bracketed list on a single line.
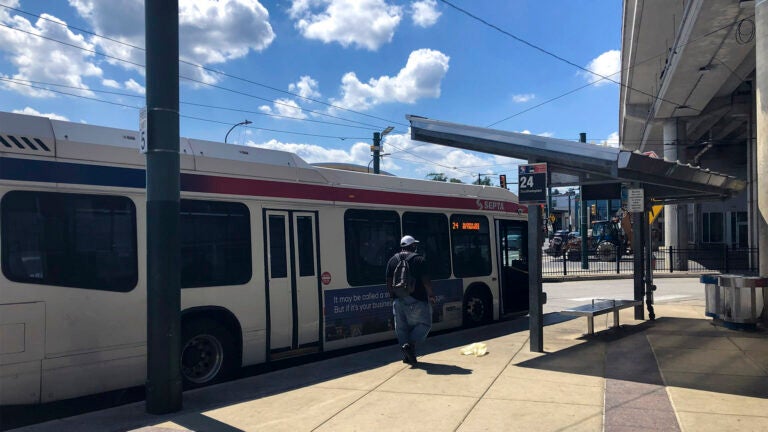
[(679, 372)]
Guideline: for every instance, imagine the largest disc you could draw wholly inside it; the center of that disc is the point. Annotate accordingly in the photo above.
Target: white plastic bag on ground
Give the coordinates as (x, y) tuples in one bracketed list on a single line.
[(476, 349)]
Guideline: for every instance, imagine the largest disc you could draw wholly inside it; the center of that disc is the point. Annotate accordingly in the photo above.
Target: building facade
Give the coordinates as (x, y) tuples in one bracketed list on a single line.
[(695, 90)]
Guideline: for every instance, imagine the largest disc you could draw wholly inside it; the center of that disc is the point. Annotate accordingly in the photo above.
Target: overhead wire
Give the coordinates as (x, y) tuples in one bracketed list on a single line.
[(620, 71), (550, 53), (190, 64), (312, 99), (205, 68), (45, 87), (180, 115), (29, 83)]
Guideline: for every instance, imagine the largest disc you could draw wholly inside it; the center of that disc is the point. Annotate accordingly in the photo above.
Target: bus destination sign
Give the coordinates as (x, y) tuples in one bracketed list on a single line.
[(532, 183)]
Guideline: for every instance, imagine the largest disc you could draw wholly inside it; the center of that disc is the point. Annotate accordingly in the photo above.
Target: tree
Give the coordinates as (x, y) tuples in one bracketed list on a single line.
[(484, 181), (454, 180), (437, 177)]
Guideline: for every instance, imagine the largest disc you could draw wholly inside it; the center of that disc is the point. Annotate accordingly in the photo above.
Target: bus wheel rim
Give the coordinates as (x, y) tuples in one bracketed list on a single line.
[(476, 309), (201, 358)]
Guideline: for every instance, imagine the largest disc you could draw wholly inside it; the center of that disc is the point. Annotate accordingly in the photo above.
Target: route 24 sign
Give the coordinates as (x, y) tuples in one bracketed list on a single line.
[(532, 183)]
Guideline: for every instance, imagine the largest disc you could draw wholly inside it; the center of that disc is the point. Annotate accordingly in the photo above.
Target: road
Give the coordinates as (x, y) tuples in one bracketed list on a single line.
[(562, 295)]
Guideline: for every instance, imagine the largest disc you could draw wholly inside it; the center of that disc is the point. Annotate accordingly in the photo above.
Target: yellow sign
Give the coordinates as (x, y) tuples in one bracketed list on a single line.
[(654, 213), (552, 218)]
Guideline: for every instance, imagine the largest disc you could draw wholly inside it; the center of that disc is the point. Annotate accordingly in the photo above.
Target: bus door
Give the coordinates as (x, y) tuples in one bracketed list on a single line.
[(512, 247), (292, 282)]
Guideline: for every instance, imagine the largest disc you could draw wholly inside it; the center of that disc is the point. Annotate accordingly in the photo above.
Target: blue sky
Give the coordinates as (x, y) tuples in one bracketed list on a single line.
[(318, 77)]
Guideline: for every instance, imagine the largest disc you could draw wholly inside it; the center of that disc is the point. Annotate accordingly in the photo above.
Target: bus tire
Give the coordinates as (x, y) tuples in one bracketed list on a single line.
[(207, 353), (477, 307)]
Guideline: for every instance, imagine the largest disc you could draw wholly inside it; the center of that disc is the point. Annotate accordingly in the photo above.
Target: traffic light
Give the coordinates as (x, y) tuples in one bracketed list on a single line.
[(503, 180), (594, 209)]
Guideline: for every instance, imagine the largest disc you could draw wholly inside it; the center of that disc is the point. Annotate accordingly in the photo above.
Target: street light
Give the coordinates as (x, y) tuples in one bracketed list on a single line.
[(376, 147), (244, 122)]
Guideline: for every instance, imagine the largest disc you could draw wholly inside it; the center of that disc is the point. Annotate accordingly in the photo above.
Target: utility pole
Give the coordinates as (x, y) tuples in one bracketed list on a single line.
[(376, 147), (163, 387), (376, 151)]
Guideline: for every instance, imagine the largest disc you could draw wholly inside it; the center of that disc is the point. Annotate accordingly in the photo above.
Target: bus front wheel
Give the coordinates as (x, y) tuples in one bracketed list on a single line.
[(477, 307), (207, 353)]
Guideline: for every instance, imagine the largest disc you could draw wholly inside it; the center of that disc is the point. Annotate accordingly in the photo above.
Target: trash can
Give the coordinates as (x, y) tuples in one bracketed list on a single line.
[(742, 299), (711, 296)]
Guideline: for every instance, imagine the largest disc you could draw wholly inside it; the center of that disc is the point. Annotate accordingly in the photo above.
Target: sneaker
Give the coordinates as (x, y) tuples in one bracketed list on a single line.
[(409, 354)]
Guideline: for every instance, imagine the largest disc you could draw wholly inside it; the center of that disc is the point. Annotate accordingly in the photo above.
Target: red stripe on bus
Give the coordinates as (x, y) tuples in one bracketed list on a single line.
[(276, 189)]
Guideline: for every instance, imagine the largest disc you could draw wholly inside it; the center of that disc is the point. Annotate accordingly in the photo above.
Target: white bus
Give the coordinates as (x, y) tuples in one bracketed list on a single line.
[(278, 257)]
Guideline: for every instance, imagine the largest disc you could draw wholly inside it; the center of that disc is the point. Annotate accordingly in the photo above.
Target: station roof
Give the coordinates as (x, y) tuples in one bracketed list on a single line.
[(571, 163)]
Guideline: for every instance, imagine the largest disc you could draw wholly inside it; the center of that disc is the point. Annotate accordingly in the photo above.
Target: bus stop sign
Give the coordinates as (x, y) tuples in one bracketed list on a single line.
[(532, 183)]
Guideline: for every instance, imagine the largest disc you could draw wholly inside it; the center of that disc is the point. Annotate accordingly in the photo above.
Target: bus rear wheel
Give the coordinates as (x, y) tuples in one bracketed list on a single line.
[(477, 308), (207, 353)]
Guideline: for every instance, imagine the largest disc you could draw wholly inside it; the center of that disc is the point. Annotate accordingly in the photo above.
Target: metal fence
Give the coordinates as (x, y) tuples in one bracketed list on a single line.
[(721, 259)]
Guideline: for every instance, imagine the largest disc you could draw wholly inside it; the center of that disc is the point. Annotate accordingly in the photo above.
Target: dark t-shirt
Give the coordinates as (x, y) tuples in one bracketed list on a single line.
[(418, 266)]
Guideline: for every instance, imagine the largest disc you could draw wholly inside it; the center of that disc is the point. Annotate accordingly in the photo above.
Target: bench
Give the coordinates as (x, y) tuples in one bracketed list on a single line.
[(599, 307)]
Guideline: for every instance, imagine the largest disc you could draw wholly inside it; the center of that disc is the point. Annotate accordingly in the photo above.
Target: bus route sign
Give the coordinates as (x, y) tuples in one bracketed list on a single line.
[(532, 183)]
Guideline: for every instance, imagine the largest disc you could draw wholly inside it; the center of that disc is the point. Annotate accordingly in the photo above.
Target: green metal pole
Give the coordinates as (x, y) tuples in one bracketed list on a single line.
[(376, 151), (583, 220), (163, 387)]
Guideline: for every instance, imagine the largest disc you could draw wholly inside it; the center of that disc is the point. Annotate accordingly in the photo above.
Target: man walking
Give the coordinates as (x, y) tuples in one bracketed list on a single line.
[(410, 287)]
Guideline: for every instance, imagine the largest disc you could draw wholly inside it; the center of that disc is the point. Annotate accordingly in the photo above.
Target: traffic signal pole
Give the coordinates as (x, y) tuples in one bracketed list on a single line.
[(376, 151)]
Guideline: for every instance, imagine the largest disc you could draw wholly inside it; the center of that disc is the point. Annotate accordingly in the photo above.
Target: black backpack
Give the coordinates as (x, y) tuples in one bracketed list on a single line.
[(403, 281)]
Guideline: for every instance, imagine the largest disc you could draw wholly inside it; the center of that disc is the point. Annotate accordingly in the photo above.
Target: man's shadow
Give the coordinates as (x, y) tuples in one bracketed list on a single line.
[(441, 369)]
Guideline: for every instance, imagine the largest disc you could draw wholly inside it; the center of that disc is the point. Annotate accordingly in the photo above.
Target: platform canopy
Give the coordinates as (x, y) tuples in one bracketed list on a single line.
[(571, 163)]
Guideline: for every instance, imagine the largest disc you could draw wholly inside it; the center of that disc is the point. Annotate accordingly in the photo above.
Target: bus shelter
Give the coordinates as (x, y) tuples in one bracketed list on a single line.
[(572, 163)]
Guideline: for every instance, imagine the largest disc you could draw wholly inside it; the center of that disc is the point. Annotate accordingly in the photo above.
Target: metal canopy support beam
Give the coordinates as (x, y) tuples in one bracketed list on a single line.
[(535, 294), (637, 257), (649, 260)]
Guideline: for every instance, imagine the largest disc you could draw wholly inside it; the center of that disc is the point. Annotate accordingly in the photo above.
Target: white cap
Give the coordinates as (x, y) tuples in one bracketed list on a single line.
[(407, 241)]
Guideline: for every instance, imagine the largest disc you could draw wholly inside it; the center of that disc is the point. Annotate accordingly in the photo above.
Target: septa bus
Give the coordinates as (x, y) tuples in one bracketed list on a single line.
[(279, 258)]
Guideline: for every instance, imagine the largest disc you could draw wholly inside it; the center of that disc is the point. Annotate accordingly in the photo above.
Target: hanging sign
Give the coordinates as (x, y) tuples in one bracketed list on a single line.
[(532, 183), (635, 198)]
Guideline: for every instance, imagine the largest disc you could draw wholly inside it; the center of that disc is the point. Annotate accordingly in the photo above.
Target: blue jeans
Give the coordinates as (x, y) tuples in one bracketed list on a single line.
[(413, 319)]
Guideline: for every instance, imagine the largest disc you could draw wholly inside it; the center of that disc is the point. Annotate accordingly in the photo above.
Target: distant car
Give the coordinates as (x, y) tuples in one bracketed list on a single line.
[(559, 238)]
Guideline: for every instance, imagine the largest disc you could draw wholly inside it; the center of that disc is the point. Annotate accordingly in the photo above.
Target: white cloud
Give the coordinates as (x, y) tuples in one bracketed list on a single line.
[(407, 158), (211, 32), (420, 78), (135, 87), (522, 98), (284, 107), (39, 59), (110, 83), (416, 159), (425, 13), (544, 134), (359, 153), (5, 12), (34, 112), (359, 23), (607, 64), (612, 141), (306, 87)]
